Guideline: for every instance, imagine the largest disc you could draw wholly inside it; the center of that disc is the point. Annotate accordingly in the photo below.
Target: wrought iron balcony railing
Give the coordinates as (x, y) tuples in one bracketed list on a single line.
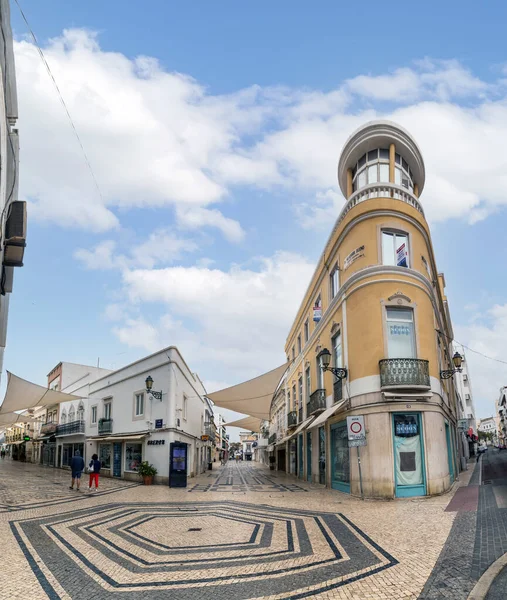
[(398, 373), (272, 439), (210, 430), (337, 391), (300, 414), (72, 427), (317, 402), (105, 426), (292, 418)]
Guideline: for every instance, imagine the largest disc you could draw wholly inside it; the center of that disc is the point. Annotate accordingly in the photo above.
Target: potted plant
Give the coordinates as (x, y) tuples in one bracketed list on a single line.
[(147, 472)]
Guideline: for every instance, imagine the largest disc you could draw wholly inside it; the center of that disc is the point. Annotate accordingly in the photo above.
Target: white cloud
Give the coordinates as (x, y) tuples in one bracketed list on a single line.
[(161, 247), (221, 318), (196, 218), (486, 334)]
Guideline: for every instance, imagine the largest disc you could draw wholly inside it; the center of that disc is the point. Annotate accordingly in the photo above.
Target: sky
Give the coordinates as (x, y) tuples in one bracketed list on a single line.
[(213, 131)]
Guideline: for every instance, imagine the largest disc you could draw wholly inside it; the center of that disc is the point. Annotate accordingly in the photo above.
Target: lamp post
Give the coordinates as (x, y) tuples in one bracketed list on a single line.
[(324, 356), (149, 385), (457, 359)]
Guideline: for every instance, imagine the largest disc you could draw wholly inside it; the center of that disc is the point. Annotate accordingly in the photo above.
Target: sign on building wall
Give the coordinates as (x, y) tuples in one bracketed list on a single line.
[(402, 256), (317, 313), (159, 423), (354, 255), (463, 424)]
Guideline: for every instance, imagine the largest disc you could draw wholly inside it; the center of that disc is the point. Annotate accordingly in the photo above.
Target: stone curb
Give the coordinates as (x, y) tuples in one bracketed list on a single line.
[(481, 588)]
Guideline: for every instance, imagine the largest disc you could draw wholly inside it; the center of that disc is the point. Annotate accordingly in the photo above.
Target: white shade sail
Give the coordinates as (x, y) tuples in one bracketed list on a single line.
[(247, 423), (323, 417), (11, 418), (303, 425), (252, 397), (22, 394)]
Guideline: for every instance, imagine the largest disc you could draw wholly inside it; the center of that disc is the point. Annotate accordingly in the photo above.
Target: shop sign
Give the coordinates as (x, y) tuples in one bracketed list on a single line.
[(317, 313), (204, 438), (159, 423), (354, 255), (406, 429), (402, 256), (156, 442), (27, 438)]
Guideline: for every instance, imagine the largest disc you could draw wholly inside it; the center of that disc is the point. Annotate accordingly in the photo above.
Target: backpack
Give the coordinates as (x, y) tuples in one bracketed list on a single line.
[(91, 467)]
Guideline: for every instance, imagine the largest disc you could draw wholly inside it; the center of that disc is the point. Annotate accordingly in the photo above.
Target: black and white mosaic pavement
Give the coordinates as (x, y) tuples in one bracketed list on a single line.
[(242, 478), (228, 549)]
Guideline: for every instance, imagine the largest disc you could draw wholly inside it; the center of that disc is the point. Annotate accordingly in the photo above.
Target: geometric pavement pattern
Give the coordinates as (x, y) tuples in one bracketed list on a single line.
[(173, 550), (233, 478)]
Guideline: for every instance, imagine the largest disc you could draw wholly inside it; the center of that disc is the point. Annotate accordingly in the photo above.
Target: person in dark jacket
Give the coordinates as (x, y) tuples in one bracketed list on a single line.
[(77, 467), (94, 467)]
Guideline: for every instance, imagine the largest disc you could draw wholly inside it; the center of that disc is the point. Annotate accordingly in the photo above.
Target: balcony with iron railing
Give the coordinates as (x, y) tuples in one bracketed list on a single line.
[(404, 373), (105, 426), (316, 403), (292, 418), (272, 439), (48, 428), (209, 430), (70, 428)]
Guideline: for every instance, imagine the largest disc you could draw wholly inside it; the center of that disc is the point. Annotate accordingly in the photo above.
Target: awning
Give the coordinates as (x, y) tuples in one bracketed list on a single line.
[(247, 423), (10, 418), (286, 439), (303, 425), (329, 412), (118, 438), (252, 397), (22, 394)]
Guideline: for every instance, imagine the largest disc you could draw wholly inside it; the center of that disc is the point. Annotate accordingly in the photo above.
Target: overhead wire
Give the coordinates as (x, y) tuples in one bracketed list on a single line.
[(504, 362), (48, 68)]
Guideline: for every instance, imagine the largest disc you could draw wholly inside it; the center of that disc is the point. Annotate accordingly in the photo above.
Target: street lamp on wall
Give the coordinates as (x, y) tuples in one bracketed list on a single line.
[(324, 356), (149, 385), (457, 360)]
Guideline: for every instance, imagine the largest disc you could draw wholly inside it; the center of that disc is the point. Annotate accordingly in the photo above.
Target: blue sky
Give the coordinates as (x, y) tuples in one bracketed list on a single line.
[(214, 130)]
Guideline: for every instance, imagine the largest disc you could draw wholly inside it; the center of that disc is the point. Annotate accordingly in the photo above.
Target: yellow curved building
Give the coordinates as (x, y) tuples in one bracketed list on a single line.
[(377, 302)]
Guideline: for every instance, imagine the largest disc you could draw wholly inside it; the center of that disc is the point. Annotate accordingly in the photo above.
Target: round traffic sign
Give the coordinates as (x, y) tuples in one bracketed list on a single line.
[(356, 427)]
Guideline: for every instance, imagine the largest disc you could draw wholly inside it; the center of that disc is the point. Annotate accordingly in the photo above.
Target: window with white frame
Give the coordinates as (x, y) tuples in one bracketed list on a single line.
[(307, 330), (63, 418), (93, 417), (308, 384), (185, 407), (72, 414), (337, 350), (372, 167), (400, 333), (108, 409), (300, 390), (288, 401), (320, 374), (139, 405), (334, 281), (403, 173), (395, 248), (299, 344), (80, 412)]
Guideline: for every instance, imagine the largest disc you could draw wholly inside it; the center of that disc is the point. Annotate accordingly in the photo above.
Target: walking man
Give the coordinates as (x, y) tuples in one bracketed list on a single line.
[(77, 467)]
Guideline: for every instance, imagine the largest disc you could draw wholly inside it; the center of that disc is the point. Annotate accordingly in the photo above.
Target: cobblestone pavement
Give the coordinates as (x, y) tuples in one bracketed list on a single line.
[(148, 543), (478, 536)]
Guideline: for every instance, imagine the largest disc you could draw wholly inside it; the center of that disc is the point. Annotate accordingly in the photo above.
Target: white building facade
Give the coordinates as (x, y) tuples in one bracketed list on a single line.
[(466, 408), (125, 425)]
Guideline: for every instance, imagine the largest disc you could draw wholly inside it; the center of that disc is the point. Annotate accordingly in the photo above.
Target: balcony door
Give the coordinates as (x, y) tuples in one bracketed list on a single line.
[(300, 456), (400, 333), (309, 455)]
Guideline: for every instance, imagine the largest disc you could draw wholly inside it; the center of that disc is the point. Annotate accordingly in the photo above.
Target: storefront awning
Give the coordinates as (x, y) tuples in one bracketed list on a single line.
[(119, 438), (247, 424), (329, 412), (303, 425), (22, 394), (252, 397)]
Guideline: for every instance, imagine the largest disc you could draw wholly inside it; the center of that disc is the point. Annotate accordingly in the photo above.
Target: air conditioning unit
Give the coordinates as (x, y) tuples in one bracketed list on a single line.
[(15, 235)]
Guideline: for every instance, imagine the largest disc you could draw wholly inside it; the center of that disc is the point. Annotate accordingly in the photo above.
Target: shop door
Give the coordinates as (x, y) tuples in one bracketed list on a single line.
[(322, 455), (340, 457), (408, 455), (309, 456), (300, 456), (281, 460), (117, 459), (449, 451)]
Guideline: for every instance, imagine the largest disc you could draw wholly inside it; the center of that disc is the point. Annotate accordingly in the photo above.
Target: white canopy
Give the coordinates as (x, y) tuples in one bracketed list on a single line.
[(247, 423), (303, 425), (22, 394), (11, 417), (252, 397), (329, 412)]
